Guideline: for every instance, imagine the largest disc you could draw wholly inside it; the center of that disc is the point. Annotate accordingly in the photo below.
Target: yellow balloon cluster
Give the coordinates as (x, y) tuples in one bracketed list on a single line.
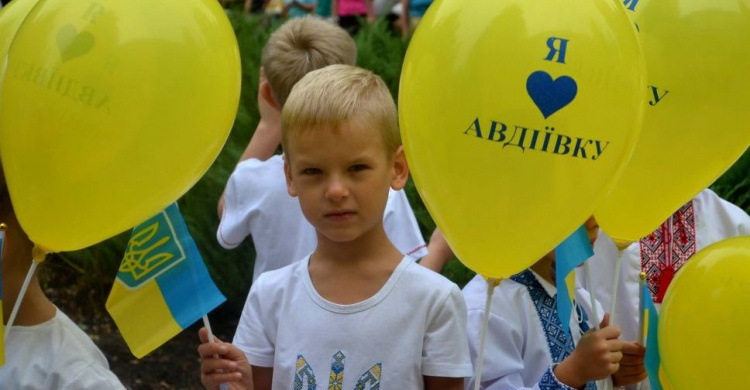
[(704, 317), (696, 122), (111, 110), (516, 117)]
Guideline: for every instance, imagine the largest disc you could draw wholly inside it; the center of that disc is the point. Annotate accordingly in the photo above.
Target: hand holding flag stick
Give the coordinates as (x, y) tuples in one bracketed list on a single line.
[(211, 339)]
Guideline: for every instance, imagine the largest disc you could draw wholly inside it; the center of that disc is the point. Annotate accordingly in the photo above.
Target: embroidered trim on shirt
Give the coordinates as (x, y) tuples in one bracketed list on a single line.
[(560, 343), (665, 250)]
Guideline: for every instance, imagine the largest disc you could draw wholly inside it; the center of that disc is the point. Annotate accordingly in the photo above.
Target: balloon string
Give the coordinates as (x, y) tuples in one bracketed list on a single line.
[(21, 294), (491, 284)]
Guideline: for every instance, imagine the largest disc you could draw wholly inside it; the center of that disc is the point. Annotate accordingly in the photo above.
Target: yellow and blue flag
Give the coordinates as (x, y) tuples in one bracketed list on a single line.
[(651, 325), (568, 255), (2, 328), (162, 286)]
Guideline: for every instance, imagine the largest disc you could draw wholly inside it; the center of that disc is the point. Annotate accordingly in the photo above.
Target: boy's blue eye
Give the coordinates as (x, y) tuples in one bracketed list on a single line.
[(358, 167)]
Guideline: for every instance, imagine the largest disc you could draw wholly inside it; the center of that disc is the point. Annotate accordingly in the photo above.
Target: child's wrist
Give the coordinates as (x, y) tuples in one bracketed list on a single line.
[(568, 373)]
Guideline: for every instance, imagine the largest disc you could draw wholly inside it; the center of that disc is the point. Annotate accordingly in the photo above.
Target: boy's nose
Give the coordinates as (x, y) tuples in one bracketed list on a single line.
[(337, 189)]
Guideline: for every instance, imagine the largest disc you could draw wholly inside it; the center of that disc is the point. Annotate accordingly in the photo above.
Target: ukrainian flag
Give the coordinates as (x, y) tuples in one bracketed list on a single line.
[(163, 285), (2, 328)]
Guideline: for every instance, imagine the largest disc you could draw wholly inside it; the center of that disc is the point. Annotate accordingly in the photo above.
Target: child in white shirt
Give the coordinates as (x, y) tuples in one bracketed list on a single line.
[(357, 313)]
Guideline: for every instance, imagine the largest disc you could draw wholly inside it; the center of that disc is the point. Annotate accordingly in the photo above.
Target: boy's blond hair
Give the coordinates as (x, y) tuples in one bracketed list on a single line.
[(300, 46), (336, 95)]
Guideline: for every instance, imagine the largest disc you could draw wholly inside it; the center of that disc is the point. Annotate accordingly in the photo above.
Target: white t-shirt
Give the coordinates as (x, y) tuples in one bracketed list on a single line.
[(54, 355), (414, 326), (517, 353), (256, 203)]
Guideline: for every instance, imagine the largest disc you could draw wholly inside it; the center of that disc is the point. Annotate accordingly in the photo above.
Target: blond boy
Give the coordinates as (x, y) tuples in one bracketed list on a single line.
[(255, 202), (356, 313)]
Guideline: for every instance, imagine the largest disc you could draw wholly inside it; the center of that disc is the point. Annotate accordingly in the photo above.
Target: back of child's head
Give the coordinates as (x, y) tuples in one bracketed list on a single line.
[(337, 95), (302, 45)]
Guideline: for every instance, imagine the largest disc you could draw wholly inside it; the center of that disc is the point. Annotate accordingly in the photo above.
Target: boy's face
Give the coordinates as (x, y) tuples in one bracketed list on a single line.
[(342, 178)]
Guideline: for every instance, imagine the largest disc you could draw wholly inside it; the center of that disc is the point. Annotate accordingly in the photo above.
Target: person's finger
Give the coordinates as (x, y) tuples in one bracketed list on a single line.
[(610, 333), (605, 321), (213, 381), (615, 357), (629, 371), (213, 365), (211, 350), (632, 348), (203, 335)]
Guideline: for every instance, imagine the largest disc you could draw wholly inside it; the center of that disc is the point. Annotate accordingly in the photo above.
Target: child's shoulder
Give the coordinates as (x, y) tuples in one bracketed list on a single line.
[(425, 280), (278, 280), (273, 166)]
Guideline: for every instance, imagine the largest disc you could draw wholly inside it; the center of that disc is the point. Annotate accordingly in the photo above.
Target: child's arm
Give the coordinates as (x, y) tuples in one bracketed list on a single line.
[(442, 383), (439, 253), (370, 11), (596, 357), (267, 135), (404, 20), (307, 7)]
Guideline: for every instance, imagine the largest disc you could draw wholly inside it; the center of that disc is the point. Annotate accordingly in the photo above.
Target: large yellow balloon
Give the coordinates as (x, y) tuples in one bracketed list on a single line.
[(703, 339), (11, 17), (111, 110), (561, 78), (696, 122)]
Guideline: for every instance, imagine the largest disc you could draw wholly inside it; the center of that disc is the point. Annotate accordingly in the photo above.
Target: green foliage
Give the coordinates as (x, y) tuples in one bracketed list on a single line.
[(734, 185), (378, 50)]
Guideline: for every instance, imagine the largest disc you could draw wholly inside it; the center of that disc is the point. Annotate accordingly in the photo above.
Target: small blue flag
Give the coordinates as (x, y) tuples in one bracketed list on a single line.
[(651, 323), (163, 285), (568, 255)]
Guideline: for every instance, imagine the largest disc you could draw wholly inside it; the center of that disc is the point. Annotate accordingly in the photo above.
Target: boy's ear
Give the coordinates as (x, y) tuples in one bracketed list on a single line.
[(400, 169), (264, 91), (288, 174)]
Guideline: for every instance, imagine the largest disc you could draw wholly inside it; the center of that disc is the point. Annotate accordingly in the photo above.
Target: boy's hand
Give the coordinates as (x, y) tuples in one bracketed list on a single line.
[(596, 356), (632, 369), (223, 363)]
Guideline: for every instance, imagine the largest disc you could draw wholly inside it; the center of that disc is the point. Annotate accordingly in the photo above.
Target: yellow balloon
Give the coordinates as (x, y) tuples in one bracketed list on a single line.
[(516, 117), (696, 122), (111, 110), (11, 17), (703, 321), (663, 380)]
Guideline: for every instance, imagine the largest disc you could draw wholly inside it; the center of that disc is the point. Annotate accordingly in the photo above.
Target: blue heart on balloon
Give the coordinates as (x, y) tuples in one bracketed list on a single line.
[(548, 94)]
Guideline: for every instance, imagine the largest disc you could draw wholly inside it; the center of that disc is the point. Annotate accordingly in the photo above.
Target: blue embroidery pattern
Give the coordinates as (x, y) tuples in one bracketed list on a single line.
[(370, 380), (560, 343), (336, 377), (304, 375)]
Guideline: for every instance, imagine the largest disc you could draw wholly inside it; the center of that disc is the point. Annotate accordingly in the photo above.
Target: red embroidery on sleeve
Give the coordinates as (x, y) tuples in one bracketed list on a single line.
[(665, 250)]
